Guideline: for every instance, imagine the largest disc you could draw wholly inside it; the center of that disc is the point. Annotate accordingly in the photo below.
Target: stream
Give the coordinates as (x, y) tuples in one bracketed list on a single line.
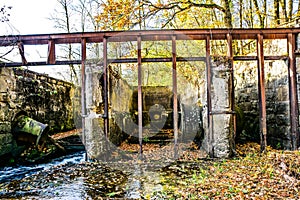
[(71, 177), (16, 173)]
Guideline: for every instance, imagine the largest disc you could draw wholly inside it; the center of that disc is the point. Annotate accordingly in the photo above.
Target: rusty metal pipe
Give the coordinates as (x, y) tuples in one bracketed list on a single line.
[(175, 98), (208, 96), (261, 94), (105, 88), (292, 75), (140, 102), (83, 96)]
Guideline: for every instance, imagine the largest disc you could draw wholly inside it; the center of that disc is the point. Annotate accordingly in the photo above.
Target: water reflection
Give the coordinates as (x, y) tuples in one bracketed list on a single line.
[(142, 182)]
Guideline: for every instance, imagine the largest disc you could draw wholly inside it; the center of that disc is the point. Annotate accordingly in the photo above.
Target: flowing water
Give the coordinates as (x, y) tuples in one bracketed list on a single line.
[(16, 173), (71, 177), (12, 178)]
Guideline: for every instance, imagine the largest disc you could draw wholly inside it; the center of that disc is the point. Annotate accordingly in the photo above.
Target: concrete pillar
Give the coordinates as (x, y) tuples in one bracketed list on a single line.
[(219, 137)]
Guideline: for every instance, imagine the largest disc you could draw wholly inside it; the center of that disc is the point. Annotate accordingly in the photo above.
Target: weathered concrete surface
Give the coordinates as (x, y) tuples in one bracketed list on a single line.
[(219, 135)]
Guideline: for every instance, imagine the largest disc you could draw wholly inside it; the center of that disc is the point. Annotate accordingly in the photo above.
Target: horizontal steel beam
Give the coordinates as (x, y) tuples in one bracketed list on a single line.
[(250, 58), (146, 35), (134, 60)]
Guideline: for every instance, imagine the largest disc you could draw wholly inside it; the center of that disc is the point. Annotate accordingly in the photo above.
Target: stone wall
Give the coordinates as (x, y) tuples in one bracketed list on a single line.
[(277, 96), (41, 97), (277, 102)]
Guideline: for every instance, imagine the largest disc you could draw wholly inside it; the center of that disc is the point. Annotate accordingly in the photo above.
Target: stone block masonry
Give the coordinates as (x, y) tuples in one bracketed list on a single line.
[(277, 102), (43, 98)]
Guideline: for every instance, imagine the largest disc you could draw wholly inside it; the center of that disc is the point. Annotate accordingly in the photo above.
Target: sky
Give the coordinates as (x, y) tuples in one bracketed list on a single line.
[(28, 17), (31, 17)]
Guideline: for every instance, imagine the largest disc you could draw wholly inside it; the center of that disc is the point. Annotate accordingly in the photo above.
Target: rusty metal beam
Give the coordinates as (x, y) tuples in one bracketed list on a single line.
[(209, 103), (51, 52), (21, 51), (140, 97), (254, 58), (83, 96), (144, 60), (261, 94), (231, 82), (123, 36), (40, 63), (105, 88), (175, 98), (292, 74)]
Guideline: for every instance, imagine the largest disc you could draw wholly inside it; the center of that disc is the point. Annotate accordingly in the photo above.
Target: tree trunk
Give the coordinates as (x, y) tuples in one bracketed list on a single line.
[(241, 13), (290, 9), (283, 6), (251, 15), (228, 16), (260, 15), (276, 12)]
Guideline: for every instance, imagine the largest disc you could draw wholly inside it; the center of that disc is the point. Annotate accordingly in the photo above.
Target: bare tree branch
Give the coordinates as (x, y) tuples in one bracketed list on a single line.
[(4, 14), (181, 6)]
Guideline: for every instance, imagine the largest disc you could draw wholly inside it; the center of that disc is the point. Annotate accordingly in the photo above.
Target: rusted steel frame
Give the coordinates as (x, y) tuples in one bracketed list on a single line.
[(21, 51), (275, 57), (231, 82), (208, 96), (251, 58), (83, 93), (261, 94), (91, 37), (175, 98), (292, 73), (40, 63), (105, 88), (51, 52), (134, 60), (169, 59), (140, 97), (119, 60)]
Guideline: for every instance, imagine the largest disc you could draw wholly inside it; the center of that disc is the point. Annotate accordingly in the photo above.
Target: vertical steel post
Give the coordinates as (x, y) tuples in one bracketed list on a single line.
[(208, 96), (231, 82), (51, 52), (140, 102), (261, 94), (105, 88), (83, 95), (294, 116), (22, 53), (175, 98)]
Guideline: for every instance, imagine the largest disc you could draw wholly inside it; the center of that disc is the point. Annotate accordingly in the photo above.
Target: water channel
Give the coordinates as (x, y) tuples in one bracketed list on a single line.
[(71, 177)]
